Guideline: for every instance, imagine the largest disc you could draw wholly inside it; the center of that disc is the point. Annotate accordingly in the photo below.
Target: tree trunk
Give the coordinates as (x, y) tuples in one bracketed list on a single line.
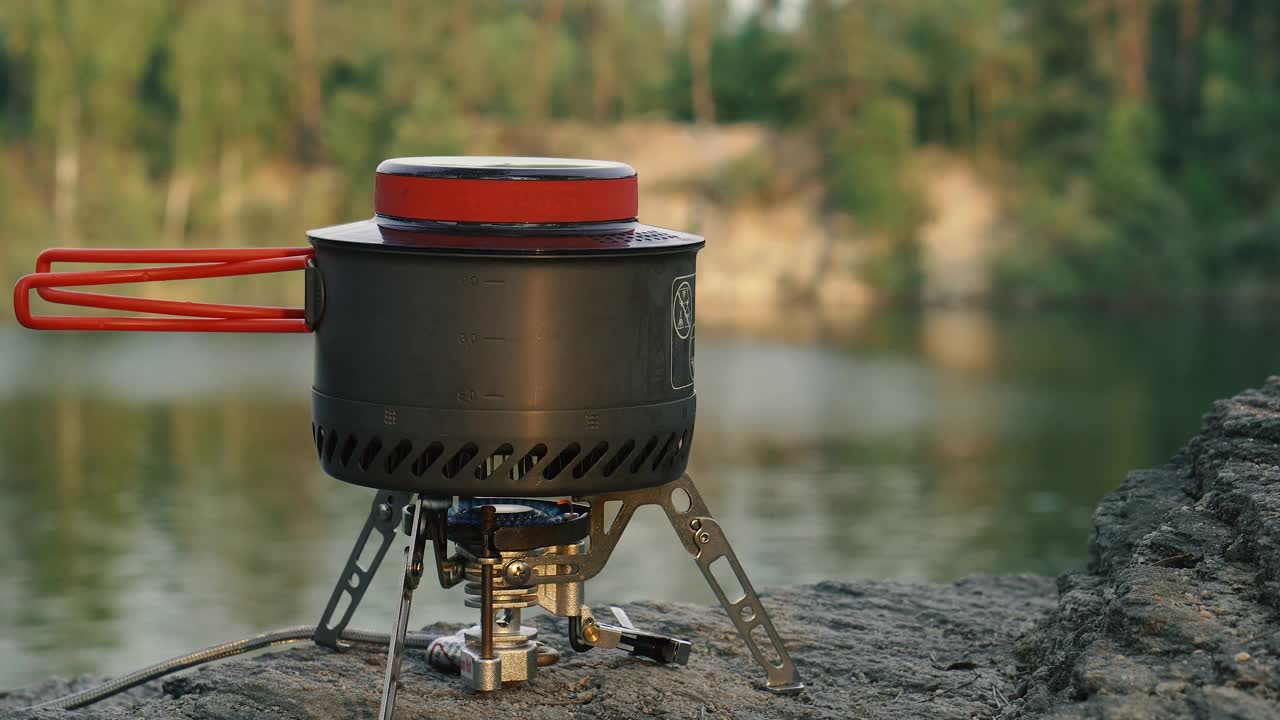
[(1188, 72), (459, 57), (1133, 21), (539, 99), (831, 236), (700, 37), (230, 173), (230, 196), (66, 172), (1189, 20), (177, 207), (1102, 35), (604, 80), (1267, 24), (310, 109)]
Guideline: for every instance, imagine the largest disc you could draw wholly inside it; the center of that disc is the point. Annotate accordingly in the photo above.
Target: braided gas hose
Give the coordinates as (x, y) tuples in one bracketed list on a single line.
[(218, 652)]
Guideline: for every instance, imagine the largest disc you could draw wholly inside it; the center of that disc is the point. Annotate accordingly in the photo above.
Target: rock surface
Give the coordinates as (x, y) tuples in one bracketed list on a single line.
[(1179, 613), (874, 649), (1177, 616)]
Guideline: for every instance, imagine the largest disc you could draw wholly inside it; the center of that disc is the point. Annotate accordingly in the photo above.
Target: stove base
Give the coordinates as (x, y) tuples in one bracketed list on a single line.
[(504, 576)]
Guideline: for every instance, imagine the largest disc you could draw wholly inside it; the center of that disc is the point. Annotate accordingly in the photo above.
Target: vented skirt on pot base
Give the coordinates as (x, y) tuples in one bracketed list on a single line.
[(553, 456)]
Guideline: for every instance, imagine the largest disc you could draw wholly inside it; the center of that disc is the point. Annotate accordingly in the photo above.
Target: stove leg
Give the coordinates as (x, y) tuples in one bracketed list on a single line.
[(384, 517), (414, 556), (702, 537)]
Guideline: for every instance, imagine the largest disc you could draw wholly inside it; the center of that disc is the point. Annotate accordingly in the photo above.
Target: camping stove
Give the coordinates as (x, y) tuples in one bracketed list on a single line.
[(518, 553), (503, 353)]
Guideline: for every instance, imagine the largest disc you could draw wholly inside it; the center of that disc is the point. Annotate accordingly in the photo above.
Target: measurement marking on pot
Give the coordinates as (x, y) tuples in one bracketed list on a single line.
[(493, 396), (495, 338)]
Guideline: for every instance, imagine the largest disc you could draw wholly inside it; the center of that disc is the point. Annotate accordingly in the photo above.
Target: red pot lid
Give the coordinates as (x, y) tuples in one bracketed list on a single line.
[(502, 190)]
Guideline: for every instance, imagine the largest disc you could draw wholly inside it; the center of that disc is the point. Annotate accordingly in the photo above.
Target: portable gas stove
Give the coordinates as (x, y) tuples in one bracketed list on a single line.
[(502, 352)]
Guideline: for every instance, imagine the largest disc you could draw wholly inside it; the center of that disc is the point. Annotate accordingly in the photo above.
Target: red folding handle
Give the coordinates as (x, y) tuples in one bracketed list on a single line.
[(194, 316)]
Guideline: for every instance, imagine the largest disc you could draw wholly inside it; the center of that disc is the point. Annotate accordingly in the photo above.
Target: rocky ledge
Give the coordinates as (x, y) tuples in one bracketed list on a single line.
[(1177, 616)]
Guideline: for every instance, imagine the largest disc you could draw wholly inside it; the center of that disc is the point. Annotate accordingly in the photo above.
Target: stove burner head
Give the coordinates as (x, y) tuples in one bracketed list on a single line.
[(510, 512), (503, 326), (521, 523)]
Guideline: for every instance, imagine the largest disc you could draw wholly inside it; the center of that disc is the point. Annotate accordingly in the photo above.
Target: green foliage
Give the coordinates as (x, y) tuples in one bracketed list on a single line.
[(1119, 226), (864, 168), (428, 126), (746, 179), (1230, 181), (1161, 188), (205, 76), (1151, 250), (750, 68), (354, 123), (1139, 138)]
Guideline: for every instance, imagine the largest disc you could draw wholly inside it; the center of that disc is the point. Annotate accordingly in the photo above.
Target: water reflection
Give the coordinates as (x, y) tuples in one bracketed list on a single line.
[(158, 493)]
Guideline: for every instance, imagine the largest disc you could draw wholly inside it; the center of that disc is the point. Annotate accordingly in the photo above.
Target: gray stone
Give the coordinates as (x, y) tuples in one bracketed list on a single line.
[(1183, 581), (867, 649)]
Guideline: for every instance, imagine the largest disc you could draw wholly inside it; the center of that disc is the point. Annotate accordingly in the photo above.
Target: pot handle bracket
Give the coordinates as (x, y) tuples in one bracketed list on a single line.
[(183, 264), (313, 302)]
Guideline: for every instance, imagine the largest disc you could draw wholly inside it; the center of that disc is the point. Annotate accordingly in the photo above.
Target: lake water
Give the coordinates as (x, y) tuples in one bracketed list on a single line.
[(159, 493)]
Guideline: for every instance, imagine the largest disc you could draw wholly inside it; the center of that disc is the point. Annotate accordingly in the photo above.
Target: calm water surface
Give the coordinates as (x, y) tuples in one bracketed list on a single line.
[(158, 493)]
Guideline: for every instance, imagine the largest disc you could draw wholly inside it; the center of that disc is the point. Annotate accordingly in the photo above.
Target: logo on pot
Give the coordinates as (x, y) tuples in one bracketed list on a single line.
[(682, 320), (682, 310)]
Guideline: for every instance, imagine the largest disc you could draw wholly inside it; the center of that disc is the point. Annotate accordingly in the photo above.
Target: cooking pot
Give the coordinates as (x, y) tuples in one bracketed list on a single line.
[(500, 327)]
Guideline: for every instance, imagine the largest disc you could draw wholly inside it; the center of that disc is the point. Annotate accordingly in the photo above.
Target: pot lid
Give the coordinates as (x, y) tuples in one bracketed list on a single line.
[(504, 205), (505, 190)]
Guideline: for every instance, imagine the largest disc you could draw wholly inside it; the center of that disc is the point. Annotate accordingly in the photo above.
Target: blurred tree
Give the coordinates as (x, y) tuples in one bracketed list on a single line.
[(58, 111), (701, 21), (749, 70), (543, 61), (1137, 136), (1133, 24), (86, 72), (310, 108), (230, 72), (857, 76), (604, 75)]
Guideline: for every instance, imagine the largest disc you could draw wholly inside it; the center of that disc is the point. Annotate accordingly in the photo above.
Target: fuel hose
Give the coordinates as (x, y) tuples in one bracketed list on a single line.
[(218, 652)]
